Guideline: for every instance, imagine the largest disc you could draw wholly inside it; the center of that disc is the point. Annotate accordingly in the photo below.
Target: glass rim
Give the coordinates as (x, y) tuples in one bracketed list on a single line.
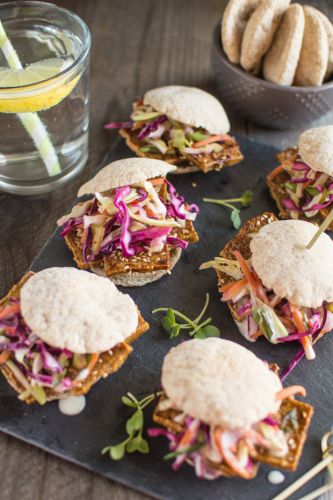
[(41, 84)]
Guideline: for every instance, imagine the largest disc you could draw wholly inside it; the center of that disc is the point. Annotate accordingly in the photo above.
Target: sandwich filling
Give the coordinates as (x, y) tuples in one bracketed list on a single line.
[(134, 225), (306, 192), (214, 451), (39, 369), (151, 133)]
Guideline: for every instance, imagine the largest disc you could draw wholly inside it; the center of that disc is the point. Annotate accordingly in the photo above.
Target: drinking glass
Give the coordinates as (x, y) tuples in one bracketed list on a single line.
[(44, 115)]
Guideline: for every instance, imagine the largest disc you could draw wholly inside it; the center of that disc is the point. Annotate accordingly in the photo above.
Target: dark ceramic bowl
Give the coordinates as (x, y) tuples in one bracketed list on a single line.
[(266, 103)]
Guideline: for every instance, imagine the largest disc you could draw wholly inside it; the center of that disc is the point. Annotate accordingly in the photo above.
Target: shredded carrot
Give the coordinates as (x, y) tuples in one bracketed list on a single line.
[(4, 356), (8, 310), (247, 272), (157, 181), (298, 320), (232, 289), (278, 170), (230, 457), (213, 138), (288, 392), (93, 361), (256, 334)]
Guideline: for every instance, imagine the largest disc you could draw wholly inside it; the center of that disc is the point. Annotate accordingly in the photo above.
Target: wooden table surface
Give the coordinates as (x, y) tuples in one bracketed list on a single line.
[(137, 44)]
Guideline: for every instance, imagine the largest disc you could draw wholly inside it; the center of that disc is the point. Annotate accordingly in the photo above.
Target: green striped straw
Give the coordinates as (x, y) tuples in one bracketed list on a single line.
[(31, 121)]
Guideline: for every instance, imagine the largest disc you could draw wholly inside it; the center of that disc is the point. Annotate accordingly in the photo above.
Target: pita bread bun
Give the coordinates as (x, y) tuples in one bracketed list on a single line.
[(316, 148), (191, 106), (139, 279), (313, 61), (125, 172), (285, 265), (260, 31), (76, 310), (219, 382), (234, 20), (328, 26), (281, 61)]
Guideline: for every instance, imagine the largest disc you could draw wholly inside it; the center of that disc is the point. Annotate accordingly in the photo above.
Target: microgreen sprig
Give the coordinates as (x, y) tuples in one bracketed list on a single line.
[(134, 428), (193, 327), (245, 200)]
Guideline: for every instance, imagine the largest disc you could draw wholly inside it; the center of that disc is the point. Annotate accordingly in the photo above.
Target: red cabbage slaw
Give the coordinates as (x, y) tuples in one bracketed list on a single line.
[(308, 191), (36, 365), (201, 446), (273, 317), (160, 134), (130, 219)]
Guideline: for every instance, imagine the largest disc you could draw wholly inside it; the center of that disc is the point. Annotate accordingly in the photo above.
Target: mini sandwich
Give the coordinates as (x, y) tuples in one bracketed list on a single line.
[(274, 286), (224, 411), (184, 126), (61, 330), (302, 185), (134, 227)]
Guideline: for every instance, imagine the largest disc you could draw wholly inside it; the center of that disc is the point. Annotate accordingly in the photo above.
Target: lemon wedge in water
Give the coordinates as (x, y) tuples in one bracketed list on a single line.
[(31, 77)]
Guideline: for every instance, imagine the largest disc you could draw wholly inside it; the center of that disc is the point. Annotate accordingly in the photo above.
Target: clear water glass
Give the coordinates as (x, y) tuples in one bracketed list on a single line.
[(43, 125)]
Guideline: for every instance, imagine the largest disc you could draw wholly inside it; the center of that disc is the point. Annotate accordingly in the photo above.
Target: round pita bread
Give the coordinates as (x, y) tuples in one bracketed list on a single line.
[(190, 106), (125, 172), (281, 61), (260, 31), (219, 382), (328, 26), (139, 279), (316, 148), (313, 61), (235, 17), (285, 265), (76, 310)]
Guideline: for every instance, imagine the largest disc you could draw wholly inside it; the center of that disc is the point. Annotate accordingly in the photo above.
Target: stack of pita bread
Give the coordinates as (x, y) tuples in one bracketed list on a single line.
[(289, 44)]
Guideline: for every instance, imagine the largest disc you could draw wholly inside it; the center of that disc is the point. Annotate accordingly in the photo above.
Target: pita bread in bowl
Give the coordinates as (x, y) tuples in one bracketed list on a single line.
[(220, 382), (191, 106), (125, 172), (316, 148), (284, 264), (76, 310)]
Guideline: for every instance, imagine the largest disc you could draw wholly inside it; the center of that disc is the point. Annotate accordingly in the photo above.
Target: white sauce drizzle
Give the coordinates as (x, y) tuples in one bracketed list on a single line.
[(275, 477), (73, 405)]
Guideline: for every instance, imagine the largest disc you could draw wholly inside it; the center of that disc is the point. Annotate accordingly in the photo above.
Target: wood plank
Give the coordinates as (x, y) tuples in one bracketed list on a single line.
[(136, 45)]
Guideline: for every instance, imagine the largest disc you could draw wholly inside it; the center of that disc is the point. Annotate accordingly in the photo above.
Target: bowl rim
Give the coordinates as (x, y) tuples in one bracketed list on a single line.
[(260, 81)]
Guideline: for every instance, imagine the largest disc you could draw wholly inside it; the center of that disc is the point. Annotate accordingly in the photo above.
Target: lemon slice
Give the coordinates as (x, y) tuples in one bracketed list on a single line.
[(33, 73), (32, 76)]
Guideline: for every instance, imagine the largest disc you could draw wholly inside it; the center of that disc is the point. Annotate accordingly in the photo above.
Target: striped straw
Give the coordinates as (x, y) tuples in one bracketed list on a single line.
[(31, 121)]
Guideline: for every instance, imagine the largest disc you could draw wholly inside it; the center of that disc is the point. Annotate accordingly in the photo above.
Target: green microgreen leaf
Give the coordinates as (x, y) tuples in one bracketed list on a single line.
[(128, 402), (245, 200), (134, 428), (235, 218), (143, 446), (195, 328), (135, 422), (207, 331)]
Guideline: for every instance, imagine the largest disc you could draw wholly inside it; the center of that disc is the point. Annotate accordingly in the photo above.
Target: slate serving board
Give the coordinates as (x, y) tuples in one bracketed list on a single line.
[(79, 439)]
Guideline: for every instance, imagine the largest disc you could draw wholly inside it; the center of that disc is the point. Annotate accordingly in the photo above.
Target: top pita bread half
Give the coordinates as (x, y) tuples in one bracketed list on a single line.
[(190, 106), (77, 310), (316, 148), (219, 382), (125, 172), (284, 264)]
